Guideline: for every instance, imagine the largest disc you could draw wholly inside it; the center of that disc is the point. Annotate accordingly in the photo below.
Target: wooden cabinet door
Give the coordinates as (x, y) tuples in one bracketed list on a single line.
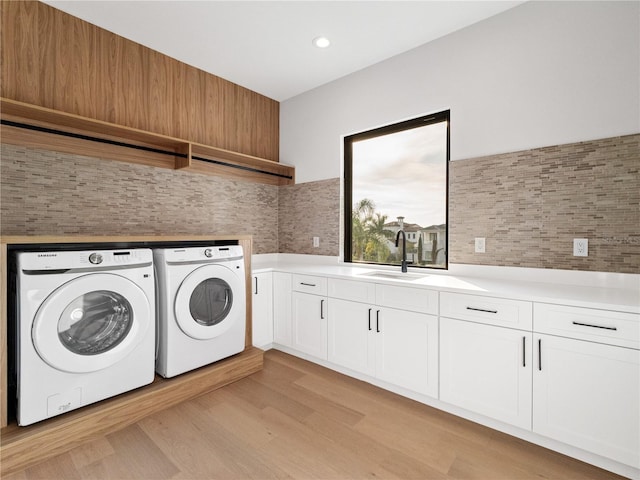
[(407, 349), (310, 324), (487, 370), (350, 340), (262, 309), (282, 327), (586, 394)]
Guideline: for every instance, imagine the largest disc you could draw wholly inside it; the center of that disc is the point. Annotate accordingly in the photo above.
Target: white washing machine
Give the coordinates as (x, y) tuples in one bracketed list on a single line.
[(86, 328), (201, 306)]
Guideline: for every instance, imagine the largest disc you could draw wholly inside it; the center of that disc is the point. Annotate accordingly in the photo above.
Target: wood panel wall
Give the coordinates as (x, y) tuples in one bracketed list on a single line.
[(55, 60)]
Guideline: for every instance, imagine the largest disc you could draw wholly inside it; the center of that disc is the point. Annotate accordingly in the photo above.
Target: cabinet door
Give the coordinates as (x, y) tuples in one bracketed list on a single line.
[(587, 395), (487, 370), (350, 340), (310, 324), (262, 309), (282, 327), (407, 349)]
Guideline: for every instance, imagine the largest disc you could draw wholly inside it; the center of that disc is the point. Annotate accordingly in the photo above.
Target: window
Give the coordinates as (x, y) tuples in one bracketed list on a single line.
[(396, 178)]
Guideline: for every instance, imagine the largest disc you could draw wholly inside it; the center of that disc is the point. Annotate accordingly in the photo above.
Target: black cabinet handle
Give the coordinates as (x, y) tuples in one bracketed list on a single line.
[(256, 291), (524, 353), (370, 319), (481, 310), (308, 284), (540, 354), (322, 309), (595, 326), (378, 321)]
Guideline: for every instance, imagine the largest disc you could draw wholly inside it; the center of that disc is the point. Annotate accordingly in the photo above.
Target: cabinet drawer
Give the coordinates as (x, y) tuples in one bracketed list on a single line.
[(364, 292), (407, 298), (310, 284), (492, 311), (603, 326)]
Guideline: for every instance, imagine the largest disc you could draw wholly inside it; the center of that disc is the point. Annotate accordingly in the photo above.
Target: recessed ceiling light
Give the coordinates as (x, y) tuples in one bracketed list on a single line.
[(321, 42)]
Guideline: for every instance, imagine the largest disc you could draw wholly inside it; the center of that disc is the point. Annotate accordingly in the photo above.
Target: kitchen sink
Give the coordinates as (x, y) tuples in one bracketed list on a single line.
[(407, 277)]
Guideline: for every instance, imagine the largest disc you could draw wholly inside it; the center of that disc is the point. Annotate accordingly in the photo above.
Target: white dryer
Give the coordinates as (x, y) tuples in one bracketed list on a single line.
[(201, 306), (85, 328)]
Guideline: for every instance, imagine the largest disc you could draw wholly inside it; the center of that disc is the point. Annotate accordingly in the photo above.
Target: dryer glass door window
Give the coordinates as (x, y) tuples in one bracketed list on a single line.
[(95, 322), (211, 302)]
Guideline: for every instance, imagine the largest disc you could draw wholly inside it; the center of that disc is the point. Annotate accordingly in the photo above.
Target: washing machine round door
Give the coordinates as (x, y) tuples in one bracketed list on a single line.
[(91, 323), (208, 301)]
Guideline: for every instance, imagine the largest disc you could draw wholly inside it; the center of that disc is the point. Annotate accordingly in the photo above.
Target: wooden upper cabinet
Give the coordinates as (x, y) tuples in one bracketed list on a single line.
[(54, 60)]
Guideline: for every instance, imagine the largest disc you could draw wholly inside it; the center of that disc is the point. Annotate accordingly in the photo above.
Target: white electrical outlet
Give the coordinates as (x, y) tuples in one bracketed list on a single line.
[(580, 247), (480, 244), (316, 242)]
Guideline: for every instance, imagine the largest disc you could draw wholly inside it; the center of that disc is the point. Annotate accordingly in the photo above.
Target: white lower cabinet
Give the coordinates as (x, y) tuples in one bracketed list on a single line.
[(407, 350), (397, 346), (487, 370), (587, 394), (262, 309), (282, 321), (351, 340), (309, 316)]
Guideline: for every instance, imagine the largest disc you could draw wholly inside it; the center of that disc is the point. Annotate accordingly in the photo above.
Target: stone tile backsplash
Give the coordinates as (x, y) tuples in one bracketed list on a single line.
[(50, 193), (528, 205), (309, 210)]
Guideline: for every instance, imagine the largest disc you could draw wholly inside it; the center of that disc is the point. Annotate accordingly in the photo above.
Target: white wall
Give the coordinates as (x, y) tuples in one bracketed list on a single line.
[(541, 74)]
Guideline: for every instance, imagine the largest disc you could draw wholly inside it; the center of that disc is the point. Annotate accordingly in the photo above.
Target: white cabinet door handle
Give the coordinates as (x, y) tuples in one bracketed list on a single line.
[(481, 310), (540, 354), (594, 326)]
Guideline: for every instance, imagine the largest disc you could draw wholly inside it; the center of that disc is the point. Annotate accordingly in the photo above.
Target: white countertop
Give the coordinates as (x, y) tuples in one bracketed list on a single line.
[(607, 291)]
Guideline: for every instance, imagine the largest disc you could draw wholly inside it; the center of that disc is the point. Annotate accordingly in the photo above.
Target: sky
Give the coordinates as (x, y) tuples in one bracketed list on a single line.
[(404, 174)]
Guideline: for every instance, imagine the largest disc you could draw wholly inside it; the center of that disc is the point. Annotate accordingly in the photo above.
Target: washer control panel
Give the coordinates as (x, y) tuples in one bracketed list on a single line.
[(95, 258), (65, 260)]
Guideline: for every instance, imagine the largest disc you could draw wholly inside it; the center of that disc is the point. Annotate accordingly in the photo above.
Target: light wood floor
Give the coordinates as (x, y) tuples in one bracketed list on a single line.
[(298, 420)]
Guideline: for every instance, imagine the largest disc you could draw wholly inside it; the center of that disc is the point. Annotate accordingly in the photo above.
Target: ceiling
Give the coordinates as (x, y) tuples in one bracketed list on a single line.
[(266, 46)]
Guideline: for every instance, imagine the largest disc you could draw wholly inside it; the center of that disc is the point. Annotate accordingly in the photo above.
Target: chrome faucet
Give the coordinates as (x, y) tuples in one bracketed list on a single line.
[(404, 249)]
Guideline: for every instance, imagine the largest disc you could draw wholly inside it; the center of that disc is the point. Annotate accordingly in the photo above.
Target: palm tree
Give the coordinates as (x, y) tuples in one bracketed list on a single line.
[(365, 208), (377, 235), (368, 233), (376, 226), (360, 216)]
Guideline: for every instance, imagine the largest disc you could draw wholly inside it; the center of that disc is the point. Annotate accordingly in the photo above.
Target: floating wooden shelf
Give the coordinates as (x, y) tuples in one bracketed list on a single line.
[(35, 126)]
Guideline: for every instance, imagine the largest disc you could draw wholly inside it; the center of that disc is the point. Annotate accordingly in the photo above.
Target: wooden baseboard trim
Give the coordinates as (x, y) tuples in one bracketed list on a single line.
[(22, 447)]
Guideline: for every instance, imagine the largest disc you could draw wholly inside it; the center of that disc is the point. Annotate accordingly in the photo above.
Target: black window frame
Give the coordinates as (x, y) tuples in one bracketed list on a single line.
[(444, 116)]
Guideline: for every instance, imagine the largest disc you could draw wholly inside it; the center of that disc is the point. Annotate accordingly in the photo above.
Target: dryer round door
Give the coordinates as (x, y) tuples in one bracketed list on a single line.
[(91, 323), (208, 302)]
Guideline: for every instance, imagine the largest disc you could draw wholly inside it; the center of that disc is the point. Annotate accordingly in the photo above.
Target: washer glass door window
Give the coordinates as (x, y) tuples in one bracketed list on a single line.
[(95, 322), (83, 327)]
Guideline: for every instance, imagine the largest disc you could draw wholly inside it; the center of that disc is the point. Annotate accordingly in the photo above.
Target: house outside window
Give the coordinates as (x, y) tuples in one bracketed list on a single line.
[(396, 178)]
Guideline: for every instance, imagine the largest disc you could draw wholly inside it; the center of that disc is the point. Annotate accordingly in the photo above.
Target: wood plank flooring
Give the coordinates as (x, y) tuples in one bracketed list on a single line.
[(295, 419)]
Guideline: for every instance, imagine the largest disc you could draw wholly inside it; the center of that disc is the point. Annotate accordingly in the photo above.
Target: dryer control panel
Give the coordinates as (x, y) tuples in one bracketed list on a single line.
[(203, 254)]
